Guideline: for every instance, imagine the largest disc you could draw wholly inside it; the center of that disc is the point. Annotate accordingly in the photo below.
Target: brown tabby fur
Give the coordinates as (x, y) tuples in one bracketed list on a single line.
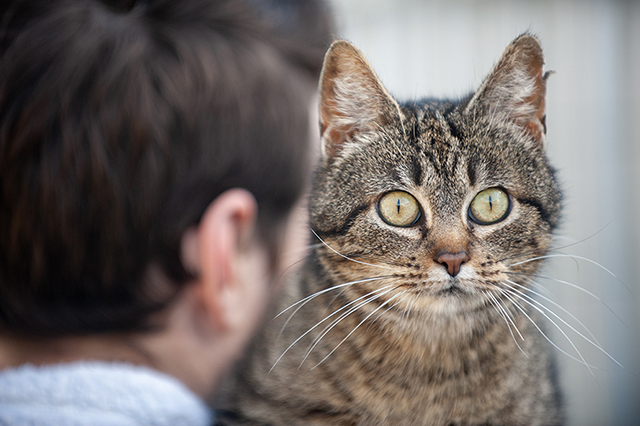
[(426, 348)]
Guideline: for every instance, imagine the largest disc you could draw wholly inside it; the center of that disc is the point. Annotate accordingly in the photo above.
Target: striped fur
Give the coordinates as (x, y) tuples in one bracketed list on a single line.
[(413, 344)]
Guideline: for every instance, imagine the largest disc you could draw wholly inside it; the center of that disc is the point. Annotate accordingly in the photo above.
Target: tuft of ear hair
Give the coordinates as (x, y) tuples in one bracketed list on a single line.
[(352, 98), (515, 89)]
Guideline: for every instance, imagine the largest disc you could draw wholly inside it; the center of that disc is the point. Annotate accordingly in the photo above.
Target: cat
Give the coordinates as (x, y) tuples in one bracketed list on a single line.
[(413, 306)]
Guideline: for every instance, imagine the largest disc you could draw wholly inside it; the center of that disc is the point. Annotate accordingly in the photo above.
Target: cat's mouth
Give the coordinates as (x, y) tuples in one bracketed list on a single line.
[(450, 289)]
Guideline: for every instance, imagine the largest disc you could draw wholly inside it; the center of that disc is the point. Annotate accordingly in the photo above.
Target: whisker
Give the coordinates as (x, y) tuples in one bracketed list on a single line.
[(537, 253), (500, 309), (574, 243), (521, 309), (308, 299), (409, 308), (553, 249), (356, 327), (346, 257), (320, 322), (535, 293), (318, 293), (387, 310), (539, 286), (505, 315), (577, 287), (371, 295), (572, 256), (597, 346), (284, 272), (343, 316)]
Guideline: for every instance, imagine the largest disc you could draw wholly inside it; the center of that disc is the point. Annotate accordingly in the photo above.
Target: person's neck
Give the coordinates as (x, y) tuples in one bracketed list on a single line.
[(17, 350), (177, 348)]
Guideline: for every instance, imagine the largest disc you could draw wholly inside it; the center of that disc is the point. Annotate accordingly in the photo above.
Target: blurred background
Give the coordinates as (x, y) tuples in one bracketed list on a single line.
[(445, 48)]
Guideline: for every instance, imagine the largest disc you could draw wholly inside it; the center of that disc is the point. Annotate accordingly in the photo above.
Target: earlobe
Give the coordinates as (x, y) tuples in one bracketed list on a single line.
[(213, 250)]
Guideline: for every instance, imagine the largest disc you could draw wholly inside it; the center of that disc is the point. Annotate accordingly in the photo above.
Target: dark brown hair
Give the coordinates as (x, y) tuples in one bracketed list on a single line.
[(119, 123)]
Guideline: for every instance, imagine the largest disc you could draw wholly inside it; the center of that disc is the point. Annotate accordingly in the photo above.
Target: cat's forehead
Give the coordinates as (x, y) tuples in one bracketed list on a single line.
[(433, 150), (448, 150), (435, 138)]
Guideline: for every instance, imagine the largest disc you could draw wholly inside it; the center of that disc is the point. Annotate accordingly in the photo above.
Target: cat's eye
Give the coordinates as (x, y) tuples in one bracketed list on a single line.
[(489, 206), (399, 208)]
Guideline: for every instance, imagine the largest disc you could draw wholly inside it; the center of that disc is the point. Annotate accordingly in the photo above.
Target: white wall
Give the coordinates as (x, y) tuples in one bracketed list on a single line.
[(445, 48)]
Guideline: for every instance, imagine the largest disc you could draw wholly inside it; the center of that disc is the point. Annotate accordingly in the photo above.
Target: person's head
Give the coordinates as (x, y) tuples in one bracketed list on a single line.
[(130, 128)]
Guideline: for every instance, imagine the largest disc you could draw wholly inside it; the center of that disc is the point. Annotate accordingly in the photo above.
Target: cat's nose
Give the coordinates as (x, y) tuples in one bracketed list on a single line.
[(453, 261)]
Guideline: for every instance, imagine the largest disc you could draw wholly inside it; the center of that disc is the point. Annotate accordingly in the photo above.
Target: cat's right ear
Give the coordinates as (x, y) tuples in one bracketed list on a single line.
[(352, 98), (515, 90)]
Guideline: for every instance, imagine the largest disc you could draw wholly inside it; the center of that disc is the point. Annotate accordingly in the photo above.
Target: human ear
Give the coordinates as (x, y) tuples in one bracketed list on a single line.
[(212, 251)]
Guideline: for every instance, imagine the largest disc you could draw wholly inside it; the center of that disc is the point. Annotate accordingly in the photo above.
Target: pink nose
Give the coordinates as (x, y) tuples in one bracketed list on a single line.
[(453, 261)]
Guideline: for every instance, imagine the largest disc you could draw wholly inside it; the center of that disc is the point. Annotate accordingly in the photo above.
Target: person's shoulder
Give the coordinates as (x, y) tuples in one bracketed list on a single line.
[(102, 393)]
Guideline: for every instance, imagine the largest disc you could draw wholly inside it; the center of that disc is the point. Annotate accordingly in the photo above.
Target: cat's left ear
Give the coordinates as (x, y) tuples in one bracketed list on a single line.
[(515, 89), (352, 98)]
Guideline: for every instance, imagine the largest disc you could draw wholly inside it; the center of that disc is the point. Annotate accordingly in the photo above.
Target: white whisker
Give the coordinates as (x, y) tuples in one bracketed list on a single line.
[(577, 287), (346, 257), (387, 310), (318, 293), (337, 321), (529, 298), (321, 321), (535, 293), (409, 308), (515, 293), (508, 291), (507, 318), (371, 295), (574, 241), (505, 314), (356, 327), (573, 256)]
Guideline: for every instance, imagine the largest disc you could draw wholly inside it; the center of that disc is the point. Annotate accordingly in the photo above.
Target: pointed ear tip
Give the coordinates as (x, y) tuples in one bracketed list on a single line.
[(527, 38), (343, 51), (330, 62), (341, 43), (341, 55), (340, 46), (530, 43)]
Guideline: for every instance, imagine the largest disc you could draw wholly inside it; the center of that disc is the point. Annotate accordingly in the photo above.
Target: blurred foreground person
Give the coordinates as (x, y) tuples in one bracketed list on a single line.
[(151, 156)]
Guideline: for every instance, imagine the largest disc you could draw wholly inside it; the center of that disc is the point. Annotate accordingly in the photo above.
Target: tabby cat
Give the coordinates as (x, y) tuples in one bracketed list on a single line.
[(428, 218)]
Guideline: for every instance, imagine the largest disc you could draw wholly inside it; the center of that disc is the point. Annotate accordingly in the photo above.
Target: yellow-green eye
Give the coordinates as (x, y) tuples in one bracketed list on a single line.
[(399, 208), (489, 206)]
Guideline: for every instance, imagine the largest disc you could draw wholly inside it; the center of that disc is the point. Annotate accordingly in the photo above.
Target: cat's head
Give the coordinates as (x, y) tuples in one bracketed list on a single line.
[(436, 204)]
